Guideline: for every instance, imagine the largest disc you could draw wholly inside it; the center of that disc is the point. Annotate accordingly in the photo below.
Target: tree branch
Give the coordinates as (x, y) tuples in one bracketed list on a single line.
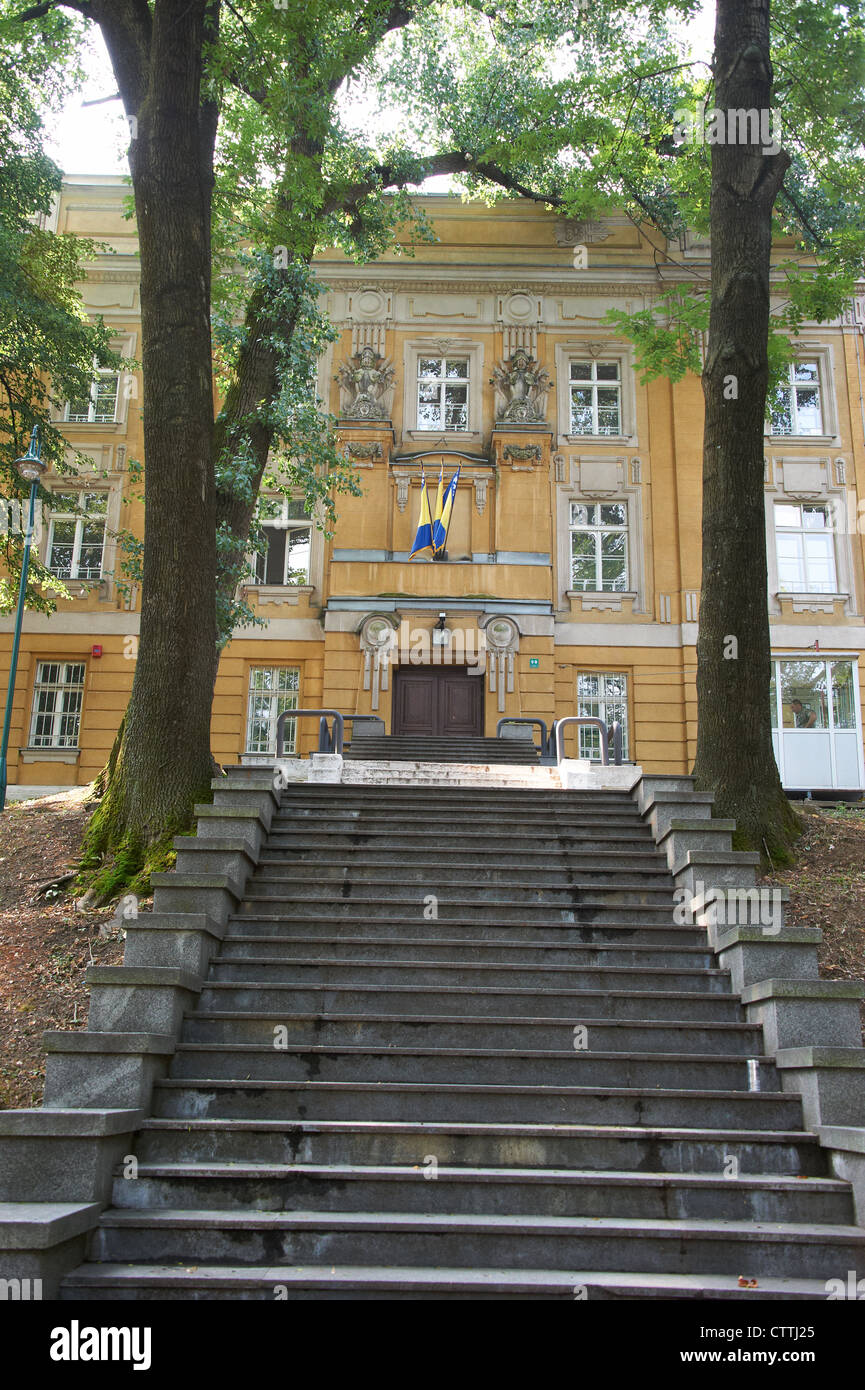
[(382, 176)]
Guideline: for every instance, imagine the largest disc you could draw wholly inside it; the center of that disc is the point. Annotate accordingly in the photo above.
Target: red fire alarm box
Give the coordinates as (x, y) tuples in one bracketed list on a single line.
[(96, 651)]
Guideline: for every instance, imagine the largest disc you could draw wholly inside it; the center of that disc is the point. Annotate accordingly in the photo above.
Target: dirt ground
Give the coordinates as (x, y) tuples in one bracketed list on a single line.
[(47, 943), (827, 887)]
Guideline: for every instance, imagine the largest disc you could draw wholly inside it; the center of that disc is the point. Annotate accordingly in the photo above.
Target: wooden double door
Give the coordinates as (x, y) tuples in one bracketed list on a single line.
[(437, 700)]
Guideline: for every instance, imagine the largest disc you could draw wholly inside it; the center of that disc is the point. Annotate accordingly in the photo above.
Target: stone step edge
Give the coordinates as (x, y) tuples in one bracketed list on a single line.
[(484, 1282)]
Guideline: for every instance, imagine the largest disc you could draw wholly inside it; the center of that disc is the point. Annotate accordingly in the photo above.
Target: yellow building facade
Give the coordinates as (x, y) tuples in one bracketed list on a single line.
[(571, 578)]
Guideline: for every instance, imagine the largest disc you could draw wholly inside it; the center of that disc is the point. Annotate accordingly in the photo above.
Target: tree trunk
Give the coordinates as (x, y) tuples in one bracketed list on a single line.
[(734, 733), (164, 761)]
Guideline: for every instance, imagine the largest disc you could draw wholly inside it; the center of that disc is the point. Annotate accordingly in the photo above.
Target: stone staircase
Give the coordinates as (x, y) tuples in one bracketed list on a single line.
[(416, 748), (454, 1044)]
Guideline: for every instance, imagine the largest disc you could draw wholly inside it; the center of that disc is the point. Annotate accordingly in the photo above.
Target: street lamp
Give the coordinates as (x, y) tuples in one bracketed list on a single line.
[(30, 468)]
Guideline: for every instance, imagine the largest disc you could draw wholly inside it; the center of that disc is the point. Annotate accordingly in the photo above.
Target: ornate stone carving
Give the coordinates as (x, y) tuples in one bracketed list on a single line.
[(571, 232), (378, 643), (366, 383), (521, 386), (367, 450), (524, 453)]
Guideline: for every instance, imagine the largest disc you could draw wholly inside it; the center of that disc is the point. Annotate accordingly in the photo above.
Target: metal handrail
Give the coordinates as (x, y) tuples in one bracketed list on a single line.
[(616, 728), (521, 720), (329, 741)]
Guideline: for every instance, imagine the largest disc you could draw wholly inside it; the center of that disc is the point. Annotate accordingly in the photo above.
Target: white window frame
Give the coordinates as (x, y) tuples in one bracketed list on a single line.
[(275, 696), (98, 374), (589, 738), (822, 354), (283, 521), (470, 349), (803, 532), (60, 687), (798, 479), (593, 384), (80, 518), (598, 530), (622, 354), (442, 381)]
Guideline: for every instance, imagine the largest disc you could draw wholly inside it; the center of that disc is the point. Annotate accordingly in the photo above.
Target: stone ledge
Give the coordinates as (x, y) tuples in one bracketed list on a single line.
[(157, 1044), (161, 976), (40, 1225), (796, 1057), (847, 1138), (748, 933), (92, 1123), (803, 989)]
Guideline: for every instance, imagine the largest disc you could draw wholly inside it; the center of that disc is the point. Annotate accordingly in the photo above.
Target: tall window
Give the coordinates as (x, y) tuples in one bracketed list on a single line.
[(272, 690), (599, 546), (99, 407), (57, 696), (602, 695), (284, 557), (76, 539), (443, 393), (805, 545), (795, 407), (596, 398)]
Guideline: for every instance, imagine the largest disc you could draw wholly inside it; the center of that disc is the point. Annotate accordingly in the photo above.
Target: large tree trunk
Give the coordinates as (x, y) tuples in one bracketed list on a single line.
[(734, 734), (164, 760)]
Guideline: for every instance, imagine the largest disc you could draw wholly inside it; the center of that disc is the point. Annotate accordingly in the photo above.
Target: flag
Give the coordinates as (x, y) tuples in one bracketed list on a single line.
[(423, 541), (437, 514), (444, 507)]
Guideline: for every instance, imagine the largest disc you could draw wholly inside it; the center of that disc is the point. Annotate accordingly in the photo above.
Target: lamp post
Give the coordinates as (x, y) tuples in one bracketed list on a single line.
[(30, 468)]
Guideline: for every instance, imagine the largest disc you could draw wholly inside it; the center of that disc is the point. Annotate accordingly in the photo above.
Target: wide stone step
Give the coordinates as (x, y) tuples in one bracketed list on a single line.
[(676, 964), (362, 988), (362, 869), (240, 961), (457, 858), (477, 1103), (613, 1065), (302, 1283), (432, 1187), (547, 816), (474, 1002), (537, 907), (646, 927), (243, 1237), (330, 840), (597, 1149)]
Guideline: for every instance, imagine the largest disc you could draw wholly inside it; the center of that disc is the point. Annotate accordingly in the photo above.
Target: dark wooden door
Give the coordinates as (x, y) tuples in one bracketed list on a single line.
[(433, 700)]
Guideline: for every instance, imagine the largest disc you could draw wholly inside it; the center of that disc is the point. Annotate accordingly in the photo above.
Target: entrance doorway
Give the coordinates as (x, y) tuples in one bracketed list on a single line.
[(437, 700)]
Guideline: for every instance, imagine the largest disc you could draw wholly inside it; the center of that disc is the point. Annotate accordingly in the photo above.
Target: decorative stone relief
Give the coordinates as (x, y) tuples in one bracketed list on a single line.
[(368, 450), (378, 641), (560, 466), (521, 387), (503, 642), (366, 384), (572, 232), (480, 486), (402, 485), (523, 452)]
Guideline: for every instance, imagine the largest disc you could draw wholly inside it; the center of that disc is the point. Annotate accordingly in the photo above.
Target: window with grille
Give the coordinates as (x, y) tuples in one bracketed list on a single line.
[(805, 545), (443, 393), (595, 398), (57, 696), (99, 406), (599, 547), (283, 558), (272, 690), (796, 407), (76, 539), (602, 695)]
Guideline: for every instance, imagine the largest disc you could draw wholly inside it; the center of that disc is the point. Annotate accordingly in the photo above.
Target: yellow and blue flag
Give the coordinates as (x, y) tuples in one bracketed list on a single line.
[(444, 507), (423, 541)]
